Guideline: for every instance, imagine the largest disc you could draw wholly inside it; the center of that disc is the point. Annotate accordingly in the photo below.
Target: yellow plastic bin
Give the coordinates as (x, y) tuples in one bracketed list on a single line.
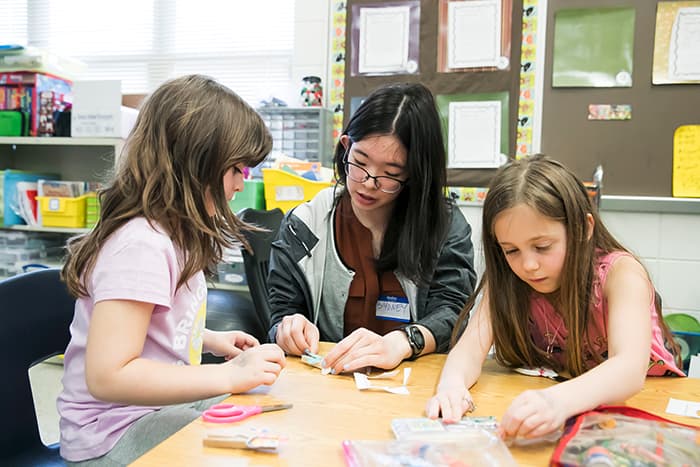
[(285, 190), (62, 212)]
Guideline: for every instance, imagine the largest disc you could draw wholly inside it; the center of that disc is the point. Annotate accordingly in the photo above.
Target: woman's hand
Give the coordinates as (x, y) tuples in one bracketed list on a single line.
[(228, 344), (295, 334), (257, 365), (364, 348), (452, 400), (533, 413)]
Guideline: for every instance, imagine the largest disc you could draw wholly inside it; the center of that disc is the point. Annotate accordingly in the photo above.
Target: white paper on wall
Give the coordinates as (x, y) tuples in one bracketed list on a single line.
[(684, 50), (384, 34), (474, 135), (474, 34)]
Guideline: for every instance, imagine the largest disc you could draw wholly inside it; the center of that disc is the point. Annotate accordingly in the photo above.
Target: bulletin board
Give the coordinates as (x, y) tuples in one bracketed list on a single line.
[(636, 154), (453, 83)]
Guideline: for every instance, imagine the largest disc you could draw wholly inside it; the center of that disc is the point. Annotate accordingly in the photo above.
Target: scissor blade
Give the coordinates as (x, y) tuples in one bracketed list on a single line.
[(270, 408)]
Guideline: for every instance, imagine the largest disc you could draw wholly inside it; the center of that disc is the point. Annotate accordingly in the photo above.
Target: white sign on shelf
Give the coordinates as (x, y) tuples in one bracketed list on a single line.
[(98, 112)]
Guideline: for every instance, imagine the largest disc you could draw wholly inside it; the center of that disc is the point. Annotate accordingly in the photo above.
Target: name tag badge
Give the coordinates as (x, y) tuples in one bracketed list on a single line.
[(393, 309)]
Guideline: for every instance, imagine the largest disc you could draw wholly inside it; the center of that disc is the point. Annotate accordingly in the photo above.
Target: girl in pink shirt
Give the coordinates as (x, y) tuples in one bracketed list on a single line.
[(132, 368), (560, 292)]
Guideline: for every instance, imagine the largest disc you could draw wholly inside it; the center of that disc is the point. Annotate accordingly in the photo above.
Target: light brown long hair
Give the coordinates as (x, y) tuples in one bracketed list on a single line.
[(551, 189), (188, 134)]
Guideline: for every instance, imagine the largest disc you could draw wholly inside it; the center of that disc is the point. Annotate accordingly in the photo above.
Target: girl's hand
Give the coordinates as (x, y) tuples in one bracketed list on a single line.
[(295, 334), (364, 348), (532, 414), (452, 400), (228, 344), (257, 365)]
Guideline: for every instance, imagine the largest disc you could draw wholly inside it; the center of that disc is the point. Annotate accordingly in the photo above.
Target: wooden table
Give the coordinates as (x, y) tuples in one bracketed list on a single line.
[(329, 409)]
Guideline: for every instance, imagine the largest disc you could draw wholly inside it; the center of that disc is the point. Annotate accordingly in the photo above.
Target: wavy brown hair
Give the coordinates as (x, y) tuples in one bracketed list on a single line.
[(551, 189), (188, 134)]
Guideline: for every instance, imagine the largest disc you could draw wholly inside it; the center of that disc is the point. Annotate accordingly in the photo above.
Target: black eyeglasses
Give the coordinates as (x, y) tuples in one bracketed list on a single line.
[(383, 183)]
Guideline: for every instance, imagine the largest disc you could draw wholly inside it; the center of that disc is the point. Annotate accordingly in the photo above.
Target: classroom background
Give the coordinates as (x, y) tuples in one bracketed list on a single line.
[(662, 230)]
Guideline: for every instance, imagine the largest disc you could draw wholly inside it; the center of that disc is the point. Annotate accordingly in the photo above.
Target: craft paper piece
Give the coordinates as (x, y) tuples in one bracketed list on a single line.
[(686, 161), (384, 375), (540, 371), (681, 407), (252, 439), (418, 428), (474, 34), (314, 360), (593, 47), (384, 34), (694, 367), (474, 135), (363, 382), (676, 39), (609, 112)]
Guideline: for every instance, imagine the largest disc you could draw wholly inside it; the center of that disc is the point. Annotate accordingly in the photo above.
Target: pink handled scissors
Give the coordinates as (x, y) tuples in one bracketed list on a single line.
[(228, 413)]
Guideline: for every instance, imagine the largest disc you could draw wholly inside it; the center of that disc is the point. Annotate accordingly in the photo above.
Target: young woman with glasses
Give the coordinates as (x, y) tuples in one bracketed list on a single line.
[(383, 263)]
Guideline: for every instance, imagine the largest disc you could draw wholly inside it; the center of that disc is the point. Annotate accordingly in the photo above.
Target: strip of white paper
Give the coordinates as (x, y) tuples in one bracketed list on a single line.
[(474, 135), (684, 50), (474, 34), (681, 407), (383, 40), (363, 382)]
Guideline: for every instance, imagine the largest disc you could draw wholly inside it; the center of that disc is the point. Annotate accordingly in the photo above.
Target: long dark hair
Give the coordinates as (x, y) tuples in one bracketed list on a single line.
[(188, 134), (420, 218), (551, 189)]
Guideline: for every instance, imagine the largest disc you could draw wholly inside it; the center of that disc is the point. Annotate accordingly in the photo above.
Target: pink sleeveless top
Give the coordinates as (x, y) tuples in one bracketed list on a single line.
[(549, 333)]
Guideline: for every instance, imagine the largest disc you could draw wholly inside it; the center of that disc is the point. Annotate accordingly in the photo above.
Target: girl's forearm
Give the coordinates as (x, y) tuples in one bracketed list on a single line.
[(613, 381), (460, 367), (149, 382)]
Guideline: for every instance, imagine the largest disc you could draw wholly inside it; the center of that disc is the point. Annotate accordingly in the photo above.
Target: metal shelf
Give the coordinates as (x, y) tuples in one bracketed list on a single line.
[(59, 141)]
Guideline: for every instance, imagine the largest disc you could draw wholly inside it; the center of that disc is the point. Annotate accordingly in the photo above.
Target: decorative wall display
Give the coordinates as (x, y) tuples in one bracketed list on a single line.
[(385, 38), (609, 112), (677, 43), (476, 129), (336, 95), (531, 79), (471, 34), (593, 47), (476, 80)]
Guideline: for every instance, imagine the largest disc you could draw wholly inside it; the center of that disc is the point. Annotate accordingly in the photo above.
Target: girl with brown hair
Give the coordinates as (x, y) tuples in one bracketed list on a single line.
[(559, 292), (132, 368)]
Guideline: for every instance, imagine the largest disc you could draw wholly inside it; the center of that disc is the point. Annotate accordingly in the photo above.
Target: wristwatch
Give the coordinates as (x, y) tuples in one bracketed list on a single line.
[(415, 340)]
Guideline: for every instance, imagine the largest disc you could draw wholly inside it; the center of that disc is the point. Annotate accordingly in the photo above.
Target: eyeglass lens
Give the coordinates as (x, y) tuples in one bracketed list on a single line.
[(360, 175)]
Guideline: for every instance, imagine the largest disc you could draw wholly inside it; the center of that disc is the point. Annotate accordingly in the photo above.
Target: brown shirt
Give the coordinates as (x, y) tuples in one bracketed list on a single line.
[(354, 243)]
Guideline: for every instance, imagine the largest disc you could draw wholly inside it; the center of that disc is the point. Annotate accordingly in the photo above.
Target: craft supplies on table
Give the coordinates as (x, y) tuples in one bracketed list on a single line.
[(229, 413)]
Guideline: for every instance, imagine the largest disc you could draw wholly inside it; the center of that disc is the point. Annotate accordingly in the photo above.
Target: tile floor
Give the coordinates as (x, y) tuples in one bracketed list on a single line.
[(45, 379)]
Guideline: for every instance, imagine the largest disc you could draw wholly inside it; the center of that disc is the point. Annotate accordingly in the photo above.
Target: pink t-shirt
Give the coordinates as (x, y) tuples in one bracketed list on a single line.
[(550, 334), (137, 262)]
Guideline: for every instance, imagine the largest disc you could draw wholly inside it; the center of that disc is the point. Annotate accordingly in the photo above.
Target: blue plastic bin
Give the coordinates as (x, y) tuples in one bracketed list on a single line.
[(11, 177)]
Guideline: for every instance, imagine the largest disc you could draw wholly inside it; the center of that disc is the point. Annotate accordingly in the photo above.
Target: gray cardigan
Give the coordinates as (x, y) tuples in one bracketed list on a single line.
[(307, 276)]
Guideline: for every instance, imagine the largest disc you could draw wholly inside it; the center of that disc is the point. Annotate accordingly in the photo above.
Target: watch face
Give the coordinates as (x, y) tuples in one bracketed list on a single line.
[(417, 338)]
